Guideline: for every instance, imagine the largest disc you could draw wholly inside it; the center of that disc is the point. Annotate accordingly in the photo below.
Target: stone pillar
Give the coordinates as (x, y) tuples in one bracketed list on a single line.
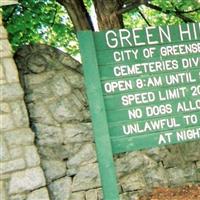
[(21, 176), (7, 2)]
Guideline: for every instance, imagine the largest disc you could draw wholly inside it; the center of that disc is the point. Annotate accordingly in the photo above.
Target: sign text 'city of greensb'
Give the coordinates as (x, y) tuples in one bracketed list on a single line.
[(151, 81)]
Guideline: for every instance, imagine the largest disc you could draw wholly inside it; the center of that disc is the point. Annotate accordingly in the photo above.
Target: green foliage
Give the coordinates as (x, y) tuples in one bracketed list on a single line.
[(46, 21), (40, 21), (155, 17)]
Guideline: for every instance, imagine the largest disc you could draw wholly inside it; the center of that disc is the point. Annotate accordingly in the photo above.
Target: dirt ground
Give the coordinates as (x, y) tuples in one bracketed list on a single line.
[(180, 193)]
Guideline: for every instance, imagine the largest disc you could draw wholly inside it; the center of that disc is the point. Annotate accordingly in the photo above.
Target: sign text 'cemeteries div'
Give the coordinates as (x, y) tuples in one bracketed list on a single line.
[(143, 87)]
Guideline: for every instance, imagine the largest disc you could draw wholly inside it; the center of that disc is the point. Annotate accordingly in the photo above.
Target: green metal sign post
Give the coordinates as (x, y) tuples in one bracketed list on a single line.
[(143, 87)]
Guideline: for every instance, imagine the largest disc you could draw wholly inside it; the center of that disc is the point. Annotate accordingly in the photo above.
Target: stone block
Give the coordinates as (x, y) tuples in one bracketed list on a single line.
[(40, 194), (174, 158), (11, 92), (76, 101), (38, 93), (198, 164), (84, 156), (130, 196), (54, 152), (2, 74), (4, 152), (48, 135), (5, 177), (60, 189), (190, 151), (18, 197), (27, 180), (31, 80), (67, 60), (10, 70), (6, 122), (31, 156), (4, 108), (3, 192), (11, 166), (19, 137), (78, 196), (5, 49), (87, 178), (53, 169), (176, 176), (91, 195), (2, 81), (19, 114), (16, 152), (74, 78), (3, 32), (79, 132), (129, 162), (191, 173), (59, 86), (157, 154), (133, 181), (198, 171), (64, 110), (39, 113), (8, 2), (1, 22), (156, 177)]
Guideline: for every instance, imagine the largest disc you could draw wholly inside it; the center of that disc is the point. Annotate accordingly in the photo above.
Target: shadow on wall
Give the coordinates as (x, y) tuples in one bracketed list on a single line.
[(59, 116)]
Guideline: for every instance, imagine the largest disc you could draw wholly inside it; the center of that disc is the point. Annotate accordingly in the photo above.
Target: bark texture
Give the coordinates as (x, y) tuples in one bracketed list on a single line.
[(107, 15), (78, 14)]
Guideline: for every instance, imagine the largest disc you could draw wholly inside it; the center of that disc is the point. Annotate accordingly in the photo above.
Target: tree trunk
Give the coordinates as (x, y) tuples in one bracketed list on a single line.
[(107, 16), (78, 14), (106, 11)]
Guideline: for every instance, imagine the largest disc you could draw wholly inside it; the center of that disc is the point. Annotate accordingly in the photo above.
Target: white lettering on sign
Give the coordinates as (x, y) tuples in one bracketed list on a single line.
[(125, 55), (180, 49), (195, 90), (185, 33), (190, 119), (168, 94), (135, 113), (161, 90), (188, 106), (152, 125), (165, 138), (179, 78), (190, 62), (125, 37), (151, 35), (190, 134), (150, 67), (138, 98), (149, 82), (118, 86), (158, 110)]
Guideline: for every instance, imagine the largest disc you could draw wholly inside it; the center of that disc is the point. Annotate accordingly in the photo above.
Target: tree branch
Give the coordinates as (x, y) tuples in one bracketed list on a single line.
[(78, 14), (136, 3), (145, 19), (128, 6), (177, 13), (189, 11)]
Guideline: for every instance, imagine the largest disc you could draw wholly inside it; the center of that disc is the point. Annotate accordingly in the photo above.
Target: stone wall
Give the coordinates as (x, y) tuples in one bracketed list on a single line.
[(21, 176), (58, 111)]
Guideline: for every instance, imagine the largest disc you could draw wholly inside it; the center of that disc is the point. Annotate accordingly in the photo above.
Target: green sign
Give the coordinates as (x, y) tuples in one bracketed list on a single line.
[(143, 87)]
